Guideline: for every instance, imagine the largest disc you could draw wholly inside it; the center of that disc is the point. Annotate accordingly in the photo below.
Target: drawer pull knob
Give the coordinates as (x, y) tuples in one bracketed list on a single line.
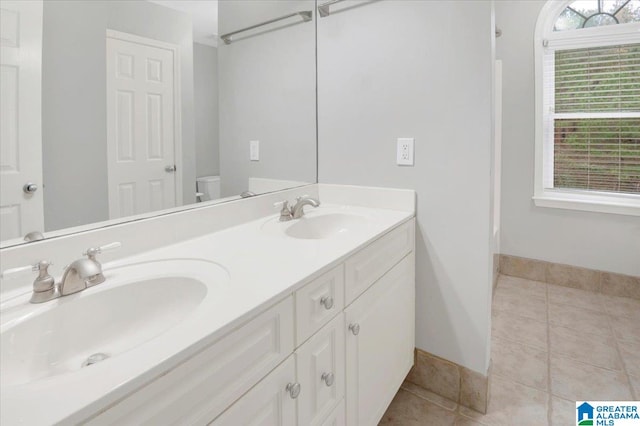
[(327, 302), (355, 329), (293, 389), (328, 378)]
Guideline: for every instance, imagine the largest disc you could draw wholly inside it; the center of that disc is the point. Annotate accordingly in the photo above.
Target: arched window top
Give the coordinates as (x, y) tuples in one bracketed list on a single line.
[(596, 13), (587, 106)]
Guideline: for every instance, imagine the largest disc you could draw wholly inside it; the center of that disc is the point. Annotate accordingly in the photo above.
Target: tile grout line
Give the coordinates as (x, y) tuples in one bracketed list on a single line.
[(547, 391), (550, 394), (519, 383), (599, 309), (618, 351), (430, 401)]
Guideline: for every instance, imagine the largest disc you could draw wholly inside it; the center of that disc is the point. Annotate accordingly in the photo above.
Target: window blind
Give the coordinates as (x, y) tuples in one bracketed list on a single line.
[(596, 118)]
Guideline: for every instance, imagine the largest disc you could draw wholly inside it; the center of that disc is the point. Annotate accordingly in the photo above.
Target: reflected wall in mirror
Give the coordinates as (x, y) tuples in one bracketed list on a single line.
[(120, 109)]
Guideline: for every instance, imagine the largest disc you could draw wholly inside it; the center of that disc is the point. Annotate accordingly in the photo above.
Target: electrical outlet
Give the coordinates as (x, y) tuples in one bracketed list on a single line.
[(254, 150), (404, 155)]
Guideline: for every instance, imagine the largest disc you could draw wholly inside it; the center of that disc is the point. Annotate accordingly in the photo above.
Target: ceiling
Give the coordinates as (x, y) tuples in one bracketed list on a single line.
[(204, 15)]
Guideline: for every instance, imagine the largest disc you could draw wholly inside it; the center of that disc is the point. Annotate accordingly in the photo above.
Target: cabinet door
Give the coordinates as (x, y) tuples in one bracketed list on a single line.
[(379, 343), (321, 373), (269, 403)]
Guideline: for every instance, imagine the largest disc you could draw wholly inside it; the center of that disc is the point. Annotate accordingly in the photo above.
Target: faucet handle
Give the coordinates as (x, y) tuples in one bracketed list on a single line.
[(20, 270), (41, 266), (285, 211), (93, 251), (44, 286), (280, 204)]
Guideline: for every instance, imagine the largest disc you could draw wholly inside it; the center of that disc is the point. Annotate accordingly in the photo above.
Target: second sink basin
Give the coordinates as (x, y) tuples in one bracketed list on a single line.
[(135, 304), (318, 224), (323, 226)]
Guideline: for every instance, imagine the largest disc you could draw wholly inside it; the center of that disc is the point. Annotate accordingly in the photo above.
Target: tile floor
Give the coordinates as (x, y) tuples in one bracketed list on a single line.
[(551, 346)]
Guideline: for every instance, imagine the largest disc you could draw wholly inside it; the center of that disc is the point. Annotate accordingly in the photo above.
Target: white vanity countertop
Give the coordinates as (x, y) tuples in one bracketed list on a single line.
[(264, 266)]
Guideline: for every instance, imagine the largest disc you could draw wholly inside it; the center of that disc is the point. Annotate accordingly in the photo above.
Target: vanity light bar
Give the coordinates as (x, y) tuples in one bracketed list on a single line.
[(304, 14)]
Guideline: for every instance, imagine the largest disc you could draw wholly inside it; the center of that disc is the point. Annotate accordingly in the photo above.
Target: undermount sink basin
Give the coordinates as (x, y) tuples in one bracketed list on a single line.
[(324, 226), (135, 304)]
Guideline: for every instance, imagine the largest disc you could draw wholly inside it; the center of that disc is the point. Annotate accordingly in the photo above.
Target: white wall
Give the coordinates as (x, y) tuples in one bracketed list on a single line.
[(74, 101), (594, 240), (267, 93), (205, 98), (420, 69)]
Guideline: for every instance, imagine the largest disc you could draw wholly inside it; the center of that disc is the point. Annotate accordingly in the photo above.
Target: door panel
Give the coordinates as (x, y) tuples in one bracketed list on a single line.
[(21, 123), (140, 127)]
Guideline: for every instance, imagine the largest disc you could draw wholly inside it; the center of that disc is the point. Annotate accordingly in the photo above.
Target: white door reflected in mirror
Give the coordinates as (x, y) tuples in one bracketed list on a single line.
[(21, 204), (143, 125)]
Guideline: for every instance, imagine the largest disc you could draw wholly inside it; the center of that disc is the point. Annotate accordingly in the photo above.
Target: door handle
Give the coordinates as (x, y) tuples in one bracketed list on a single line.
[(170, 169), (30, 188)]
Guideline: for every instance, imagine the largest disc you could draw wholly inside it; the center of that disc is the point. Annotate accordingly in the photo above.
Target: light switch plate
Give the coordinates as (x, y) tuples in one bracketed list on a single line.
[(254, 150), (405, 152)]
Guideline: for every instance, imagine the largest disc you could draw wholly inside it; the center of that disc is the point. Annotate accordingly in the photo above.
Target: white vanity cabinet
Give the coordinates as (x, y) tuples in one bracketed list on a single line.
[(363, 354), (334, 353)]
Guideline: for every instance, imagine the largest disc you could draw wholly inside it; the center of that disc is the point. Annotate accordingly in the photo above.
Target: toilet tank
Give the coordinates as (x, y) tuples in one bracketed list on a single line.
[(209, 186)]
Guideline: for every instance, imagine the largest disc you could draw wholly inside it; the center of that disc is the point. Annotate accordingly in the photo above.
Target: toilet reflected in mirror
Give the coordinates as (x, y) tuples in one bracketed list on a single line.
[(208, 188)]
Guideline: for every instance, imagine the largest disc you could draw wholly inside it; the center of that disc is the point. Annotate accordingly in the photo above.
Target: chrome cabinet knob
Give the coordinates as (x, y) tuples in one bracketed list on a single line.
[(327, 378), (355, 329), (170, 169), (293, 389), (30, 188), (327, 302)]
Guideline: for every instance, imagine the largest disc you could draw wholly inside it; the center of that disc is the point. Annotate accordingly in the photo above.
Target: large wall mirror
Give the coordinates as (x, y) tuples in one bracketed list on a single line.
[(113, 110)]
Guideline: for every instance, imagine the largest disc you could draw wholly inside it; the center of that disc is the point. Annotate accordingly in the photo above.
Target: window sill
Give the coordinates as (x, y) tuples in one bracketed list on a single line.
[(625, 205)]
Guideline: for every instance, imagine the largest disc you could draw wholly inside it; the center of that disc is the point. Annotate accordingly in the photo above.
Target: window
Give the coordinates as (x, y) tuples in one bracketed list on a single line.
[(588, 106)]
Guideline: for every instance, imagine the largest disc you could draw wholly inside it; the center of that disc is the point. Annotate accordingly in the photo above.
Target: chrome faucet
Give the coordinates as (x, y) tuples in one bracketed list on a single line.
[(297, 211), (84, 273), (81, 274)]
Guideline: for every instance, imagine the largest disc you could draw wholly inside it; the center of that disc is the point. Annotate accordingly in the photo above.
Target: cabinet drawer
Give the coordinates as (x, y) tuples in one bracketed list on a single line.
[(200, 389), (321, 373), (268, 403), (318, 302), (367, 266)]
